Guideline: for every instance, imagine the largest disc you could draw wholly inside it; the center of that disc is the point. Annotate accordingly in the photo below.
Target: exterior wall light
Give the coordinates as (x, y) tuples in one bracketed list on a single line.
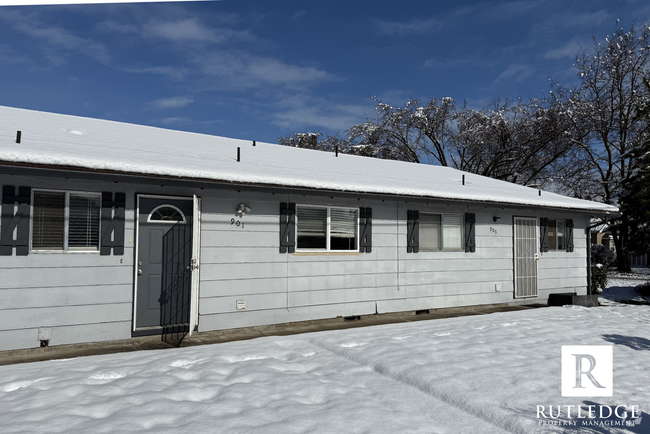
[(242, 209)]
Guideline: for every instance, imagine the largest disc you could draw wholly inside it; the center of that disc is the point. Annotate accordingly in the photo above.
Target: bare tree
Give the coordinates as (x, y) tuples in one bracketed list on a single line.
[(417, 133), (603, 112), (517, 141), (344, 145)]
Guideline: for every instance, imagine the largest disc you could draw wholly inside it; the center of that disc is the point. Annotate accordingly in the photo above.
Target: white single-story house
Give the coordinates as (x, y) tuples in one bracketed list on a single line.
[(111, 230)]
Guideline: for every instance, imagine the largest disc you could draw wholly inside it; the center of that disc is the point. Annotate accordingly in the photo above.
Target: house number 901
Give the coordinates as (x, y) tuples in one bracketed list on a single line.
[(237, 223)]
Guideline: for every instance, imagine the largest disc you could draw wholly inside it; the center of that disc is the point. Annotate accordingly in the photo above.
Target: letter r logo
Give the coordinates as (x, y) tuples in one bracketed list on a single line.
[(587, 370)]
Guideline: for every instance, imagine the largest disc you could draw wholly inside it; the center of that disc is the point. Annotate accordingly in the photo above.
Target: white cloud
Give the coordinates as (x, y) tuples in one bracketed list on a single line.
[(517, 72), (306, 112), (173, 72), (298, 15), (414, 27), (54, 37), (167, 103), (240, 70), (571, 49)]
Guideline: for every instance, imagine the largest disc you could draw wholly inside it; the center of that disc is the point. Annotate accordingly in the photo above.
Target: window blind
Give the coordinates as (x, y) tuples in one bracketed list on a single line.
[(83, 229), (312, 221), (311, 228), (343, 223), (452, 231), (430, 232), (48, 225)]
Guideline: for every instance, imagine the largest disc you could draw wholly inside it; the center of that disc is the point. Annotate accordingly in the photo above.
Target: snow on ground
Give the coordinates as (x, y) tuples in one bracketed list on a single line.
[(476, 374), (620, 287)]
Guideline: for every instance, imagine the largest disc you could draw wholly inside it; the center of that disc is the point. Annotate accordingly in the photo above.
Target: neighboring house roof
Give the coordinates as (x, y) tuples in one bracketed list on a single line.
[(54, 140)]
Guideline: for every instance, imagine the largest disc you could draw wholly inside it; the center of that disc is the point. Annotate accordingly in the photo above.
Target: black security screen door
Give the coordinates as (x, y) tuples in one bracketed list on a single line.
[(164, 266)]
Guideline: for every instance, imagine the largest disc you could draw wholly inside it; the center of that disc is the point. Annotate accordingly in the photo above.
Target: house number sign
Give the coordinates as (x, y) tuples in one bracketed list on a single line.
[(493, 230), (238, 223)]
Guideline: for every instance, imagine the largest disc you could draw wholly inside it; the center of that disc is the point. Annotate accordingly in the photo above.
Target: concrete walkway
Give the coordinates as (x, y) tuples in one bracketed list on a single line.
[(215, 337)]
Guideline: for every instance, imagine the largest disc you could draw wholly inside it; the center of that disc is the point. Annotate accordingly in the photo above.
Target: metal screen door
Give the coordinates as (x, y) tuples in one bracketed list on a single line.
[(525, 257)]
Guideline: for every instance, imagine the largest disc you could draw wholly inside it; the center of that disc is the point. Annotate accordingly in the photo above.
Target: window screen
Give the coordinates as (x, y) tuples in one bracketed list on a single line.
[(83, 229), (48, 227), (430, 239), (311, 227)]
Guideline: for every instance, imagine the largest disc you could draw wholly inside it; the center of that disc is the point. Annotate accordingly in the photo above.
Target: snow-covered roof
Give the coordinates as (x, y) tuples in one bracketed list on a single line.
[(50, 139)]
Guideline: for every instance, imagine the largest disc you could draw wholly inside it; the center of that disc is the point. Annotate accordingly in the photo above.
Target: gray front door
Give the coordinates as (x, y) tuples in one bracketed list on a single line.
[(164, 265)]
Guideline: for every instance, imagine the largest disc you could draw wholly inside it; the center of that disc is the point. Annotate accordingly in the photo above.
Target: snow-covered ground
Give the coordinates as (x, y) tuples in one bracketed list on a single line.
[(475, 374)]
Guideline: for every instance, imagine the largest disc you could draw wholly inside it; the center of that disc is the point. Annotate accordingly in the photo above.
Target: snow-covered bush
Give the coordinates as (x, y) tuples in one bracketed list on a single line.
[(602, 255), (598, 277)]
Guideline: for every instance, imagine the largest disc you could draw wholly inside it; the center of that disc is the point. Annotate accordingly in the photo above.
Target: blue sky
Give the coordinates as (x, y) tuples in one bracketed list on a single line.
[(257, 70)]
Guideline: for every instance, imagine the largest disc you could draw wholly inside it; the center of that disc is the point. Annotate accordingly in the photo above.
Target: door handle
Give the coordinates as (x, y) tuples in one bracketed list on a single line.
[(139, 271)]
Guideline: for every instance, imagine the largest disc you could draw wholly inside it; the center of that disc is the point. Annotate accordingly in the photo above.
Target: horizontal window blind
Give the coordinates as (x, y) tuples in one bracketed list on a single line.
[(343, 223), (48, 224), (452, 231), (311, 228), (83, 229), (312, 221), (430, 232)]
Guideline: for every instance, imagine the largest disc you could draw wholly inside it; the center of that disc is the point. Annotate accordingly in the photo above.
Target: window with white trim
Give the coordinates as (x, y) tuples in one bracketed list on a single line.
[(556, 234), (327, 228), (441, 232), (65, 221)]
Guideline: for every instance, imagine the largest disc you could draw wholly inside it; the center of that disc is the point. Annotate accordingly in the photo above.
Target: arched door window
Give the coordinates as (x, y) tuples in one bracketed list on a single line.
[(166, 214)]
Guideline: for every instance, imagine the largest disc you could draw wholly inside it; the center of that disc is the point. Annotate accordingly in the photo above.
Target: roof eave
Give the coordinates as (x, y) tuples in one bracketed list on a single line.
[(63, 168)]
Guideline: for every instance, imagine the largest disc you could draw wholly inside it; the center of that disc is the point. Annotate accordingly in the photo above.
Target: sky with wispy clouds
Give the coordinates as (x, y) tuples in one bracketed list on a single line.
[(258, 70)]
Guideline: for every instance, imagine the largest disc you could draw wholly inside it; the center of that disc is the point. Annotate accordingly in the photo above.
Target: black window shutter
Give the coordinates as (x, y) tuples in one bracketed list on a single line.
[(18, 221), (543, 234), (470, 237), (413, 231), (365, 230), (569, 236), (287, 227), (112, 223)]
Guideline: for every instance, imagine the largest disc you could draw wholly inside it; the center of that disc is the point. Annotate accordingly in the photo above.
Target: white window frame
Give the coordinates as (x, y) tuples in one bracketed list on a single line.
[(442, 233), (327, 229), (66, 221)]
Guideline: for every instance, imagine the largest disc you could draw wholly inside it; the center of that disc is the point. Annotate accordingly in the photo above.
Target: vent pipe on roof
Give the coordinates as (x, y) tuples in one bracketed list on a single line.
[(337, 150), (253, 142), (540, 192), (463, 179), (238, 153), (18, 134)]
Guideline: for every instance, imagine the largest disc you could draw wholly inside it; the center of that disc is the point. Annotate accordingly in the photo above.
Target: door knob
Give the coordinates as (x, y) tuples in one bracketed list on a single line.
[(139, 271)]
